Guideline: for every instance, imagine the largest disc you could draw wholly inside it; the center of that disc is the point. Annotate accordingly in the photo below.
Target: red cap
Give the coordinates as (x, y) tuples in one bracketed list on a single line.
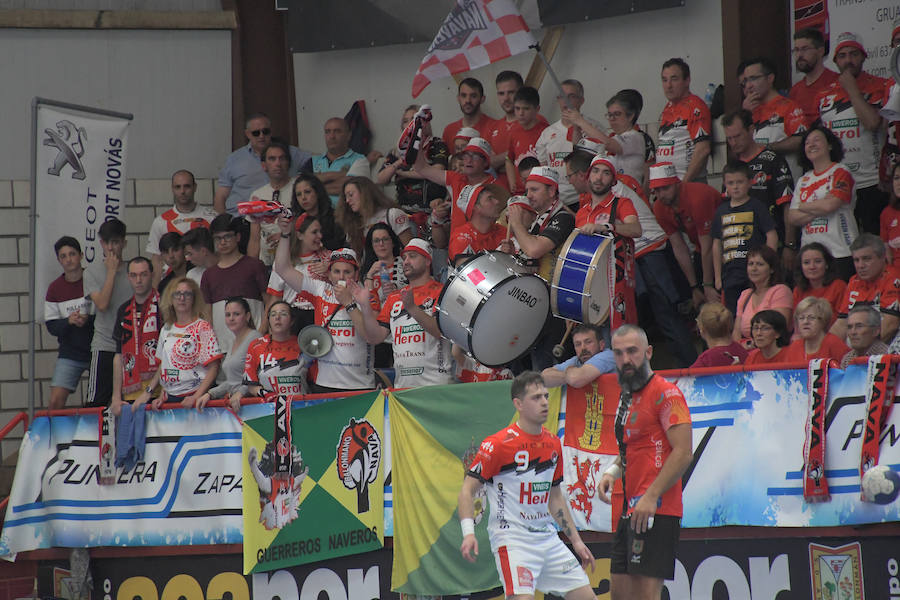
[(663, 174), (545, 175), (467, 197), (344, 255), (604, 159), (850, 39), (418, 245), (479, 146)]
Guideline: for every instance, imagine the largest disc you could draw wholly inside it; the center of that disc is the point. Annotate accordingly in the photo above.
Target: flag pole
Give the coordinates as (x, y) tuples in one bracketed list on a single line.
[(537, 48)]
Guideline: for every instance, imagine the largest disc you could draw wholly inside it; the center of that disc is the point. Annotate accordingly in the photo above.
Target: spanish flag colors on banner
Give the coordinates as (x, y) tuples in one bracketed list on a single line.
[(317, 493), (435, 433)]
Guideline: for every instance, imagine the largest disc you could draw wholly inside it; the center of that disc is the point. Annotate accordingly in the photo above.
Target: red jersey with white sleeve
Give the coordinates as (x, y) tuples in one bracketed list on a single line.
[(468, 240), (350, 364), (274, 365), (682, 125), (519, 469), (456, 182), (643, 425), (882, 293), (419, 358), (805, 94), (652, 237), (777, 119), (836, 230), (862, 147)]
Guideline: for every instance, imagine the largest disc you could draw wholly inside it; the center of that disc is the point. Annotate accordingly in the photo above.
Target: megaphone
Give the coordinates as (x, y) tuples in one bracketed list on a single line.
[(315, 341), (891, 110)]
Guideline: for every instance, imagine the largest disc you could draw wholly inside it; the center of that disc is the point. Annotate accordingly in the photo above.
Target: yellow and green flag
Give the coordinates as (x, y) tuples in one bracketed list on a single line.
[(435, 433), (331, 502)]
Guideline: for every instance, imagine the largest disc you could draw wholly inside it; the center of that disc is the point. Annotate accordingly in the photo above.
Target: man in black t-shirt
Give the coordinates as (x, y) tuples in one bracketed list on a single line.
[(539, 240), (771, 181)]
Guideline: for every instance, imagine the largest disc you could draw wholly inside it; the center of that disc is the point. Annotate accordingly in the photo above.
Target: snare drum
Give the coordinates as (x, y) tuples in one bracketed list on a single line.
[(582, 279), (493, 309)]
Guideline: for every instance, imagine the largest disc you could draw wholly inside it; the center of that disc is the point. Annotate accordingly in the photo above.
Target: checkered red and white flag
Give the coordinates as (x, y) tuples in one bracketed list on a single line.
[(474, 34)]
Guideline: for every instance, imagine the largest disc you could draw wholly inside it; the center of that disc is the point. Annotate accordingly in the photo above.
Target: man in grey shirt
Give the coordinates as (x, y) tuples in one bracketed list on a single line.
[(107, 286)]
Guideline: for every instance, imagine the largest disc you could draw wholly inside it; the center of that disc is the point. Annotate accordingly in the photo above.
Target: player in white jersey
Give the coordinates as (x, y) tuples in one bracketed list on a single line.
[(521, 466)]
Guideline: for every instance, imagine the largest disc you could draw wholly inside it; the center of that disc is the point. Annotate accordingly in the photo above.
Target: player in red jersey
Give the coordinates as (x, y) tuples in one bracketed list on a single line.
[(653, 430), (521, 465)]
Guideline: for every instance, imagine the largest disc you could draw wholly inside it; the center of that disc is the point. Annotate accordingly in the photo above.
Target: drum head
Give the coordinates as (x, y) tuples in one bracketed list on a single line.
[(581, 288), (508, 323)]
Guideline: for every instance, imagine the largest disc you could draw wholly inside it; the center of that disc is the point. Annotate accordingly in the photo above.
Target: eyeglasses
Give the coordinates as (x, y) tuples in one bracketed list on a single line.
[(224, 237), (752, 78), (615, 115), (386, 240), (181, 295), (569, 176), (259, 132), (803, 49), (761, 327)]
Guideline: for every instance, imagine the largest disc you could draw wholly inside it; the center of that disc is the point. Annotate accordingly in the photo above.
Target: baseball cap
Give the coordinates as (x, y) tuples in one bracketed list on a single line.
[(522, 202), (479, 146), (418, 245), (467, 197), (846, 39), (604, 159), (545, 175), (663, 174), (345, 255), (466, 133), (589, 145)]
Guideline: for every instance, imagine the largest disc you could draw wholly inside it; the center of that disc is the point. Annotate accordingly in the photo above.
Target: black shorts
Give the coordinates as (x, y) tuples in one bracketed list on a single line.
[(651, 553)]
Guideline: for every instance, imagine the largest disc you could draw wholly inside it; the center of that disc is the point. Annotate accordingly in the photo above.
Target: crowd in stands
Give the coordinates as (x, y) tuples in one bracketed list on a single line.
[(792, 259)]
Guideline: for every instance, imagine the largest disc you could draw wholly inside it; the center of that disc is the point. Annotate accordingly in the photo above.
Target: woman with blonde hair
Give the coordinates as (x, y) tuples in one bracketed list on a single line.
[(812, 318), (362, 205), (187, 348), (715, 324)]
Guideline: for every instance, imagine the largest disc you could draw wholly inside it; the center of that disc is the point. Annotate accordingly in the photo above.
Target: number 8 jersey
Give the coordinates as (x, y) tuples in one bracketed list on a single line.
[(519, 468)]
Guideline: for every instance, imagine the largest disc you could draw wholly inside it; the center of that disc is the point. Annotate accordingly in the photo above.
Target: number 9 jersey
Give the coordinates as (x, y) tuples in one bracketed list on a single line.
[(518, 469)]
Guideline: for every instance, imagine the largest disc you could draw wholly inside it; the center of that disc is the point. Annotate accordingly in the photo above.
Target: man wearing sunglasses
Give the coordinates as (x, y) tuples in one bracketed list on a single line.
[(243, 171)]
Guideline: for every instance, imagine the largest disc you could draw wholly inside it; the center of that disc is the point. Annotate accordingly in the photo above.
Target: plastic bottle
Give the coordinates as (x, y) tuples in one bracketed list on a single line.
[(710, 93), (385, 275)]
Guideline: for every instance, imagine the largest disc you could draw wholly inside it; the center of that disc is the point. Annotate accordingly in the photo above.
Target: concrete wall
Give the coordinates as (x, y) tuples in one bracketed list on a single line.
[(605, 55)]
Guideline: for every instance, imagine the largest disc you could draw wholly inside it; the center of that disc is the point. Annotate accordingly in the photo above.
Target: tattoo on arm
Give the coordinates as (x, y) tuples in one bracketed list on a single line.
[(563, 522)]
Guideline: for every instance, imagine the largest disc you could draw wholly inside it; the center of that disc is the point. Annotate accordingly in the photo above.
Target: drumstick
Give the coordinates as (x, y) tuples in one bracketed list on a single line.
[(559, 349)]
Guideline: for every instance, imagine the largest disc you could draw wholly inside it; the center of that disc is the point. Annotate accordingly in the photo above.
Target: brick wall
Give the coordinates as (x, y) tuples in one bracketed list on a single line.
[(144, 200)]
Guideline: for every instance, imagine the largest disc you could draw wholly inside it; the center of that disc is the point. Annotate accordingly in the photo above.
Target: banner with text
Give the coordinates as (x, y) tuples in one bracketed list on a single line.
[(80, 158), (315, 482)]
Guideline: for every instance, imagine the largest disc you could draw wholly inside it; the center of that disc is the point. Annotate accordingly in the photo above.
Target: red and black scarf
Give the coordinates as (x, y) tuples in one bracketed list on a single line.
[(815, 484), (140, 326), (880, 380)]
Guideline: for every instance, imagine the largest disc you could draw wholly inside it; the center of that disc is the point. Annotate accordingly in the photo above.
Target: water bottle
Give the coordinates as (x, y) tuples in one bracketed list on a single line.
[(710, 93), (385, 276)]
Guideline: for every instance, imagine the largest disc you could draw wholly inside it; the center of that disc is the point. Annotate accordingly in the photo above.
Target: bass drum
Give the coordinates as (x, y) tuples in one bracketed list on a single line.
[(493, 309), (581, 279)]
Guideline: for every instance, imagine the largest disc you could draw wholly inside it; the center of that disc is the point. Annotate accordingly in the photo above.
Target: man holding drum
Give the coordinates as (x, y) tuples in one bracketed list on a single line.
[(481, 204), (421, 354), (610, 214), (540, 239)]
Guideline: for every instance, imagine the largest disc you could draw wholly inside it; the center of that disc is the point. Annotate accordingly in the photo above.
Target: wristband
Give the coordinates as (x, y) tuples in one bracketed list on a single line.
[(708, 284), (614, 471), (467, 526), (285, 236)]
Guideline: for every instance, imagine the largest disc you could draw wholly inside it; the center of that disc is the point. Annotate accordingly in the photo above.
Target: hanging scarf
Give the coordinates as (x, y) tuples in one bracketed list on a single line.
[(139, 361), (879, 398), (815, 485)]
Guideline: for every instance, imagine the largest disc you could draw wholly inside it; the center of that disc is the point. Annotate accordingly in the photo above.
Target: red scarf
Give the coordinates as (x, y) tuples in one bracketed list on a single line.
[(139, 361), (815, 485), (879, 398)]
